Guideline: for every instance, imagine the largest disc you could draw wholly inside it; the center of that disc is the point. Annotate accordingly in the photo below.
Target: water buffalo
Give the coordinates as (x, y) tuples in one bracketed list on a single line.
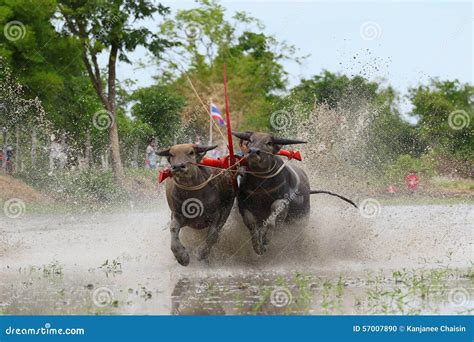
[(273, 191), (196, 197)]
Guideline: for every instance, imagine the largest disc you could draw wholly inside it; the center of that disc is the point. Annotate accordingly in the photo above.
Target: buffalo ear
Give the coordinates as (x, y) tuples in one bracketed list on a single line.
[(164, 153), (242, 135), (201, 151), (284, 141)]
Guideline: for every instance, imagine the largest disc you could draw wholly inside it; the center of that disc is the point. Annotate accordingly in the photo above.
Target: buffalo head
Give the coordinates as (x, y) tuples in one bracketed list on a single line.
[(259, 148), (184, 157)]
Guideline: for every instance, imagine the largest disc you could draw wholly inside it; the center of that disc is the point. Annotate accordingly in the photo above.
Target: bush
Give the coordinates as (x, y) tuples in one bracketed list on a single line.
[(425, 166), (84, 186)]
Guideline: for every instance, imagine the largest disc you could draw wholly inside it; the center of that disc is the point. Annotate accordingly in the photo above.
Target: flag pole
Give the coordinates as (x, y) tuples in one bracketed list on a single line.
[(210, 122), (227, 115)]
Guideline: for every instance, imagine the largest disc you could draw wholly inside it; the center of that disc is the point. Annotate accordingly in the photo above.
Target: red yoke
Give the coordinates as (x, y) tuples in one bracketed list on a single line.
[(224, 163)]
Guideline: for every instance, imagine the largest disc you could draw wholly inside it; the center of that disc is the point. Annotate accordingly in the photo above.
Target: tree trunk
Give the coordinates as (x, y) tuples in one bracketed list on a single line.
[(17, 149), (4, 150), (88, 152), (135, 155), (117, 167), (33, 147)]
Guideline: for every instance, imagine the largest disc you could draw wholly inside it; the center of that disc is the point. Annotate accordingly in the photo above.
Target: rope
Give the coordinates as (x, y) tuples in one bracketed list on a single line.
[(195, 187)]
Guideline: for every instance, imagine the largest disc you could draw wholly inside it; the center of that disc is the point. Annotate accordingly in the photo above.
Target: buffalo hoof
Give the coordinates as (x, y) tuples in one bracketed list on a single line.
[(260, 249), (182, 257), (204, 257)]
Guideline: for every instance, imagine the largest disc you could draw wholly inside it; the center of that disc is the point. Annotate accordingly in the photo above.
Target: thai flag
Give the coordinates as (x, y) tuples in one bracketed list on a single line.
[(216, 114)]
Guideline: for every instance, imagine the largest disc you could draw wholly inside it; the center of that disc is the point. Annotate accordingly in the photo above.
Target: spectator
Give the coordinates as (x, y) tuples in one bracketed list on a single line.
[(150, 155)]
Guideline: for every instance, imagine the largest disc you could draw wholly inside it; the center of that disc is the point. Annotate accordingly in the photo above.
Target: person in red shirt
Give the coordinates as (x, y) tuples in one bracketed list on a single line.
[(412, 181)]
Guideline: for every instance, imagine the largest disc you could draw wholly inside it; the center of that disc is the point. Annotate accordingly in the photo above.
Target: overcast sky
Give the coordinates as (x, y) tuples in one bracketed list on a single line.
[(404, 43)]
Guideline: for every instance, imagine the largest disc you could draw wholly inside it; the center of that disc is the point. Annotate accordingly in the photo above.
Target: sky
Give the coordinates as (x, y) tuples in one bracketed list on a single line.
[(403, 44)]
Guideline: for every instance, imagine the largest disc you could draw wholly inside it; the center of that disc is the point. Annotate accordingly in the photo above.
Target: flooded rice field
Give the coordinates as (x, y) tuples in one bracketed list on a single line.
[(408, 259)]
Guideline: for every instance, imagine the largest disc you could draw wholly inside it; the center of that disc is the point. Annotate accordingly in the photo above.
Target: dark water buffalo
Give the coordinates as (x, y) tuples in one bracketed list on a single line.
[(196, 198), (273, 192)]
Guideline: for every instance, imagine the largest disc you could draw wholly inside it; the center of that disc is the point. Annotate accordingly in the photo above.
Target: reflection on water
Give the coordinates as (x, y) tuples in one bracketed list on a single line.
[(51, 290), (307, 294)]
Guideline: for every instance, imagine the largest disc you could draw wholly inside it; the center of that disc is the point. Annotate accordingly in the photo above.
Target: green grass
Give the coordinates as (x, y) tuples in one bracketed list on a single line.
[(453, 183)]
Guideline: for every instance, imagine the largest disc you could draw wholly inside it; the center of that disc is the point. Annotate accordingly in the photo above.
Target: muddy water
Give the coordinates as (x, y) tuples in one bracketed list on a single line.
[(408, 259)]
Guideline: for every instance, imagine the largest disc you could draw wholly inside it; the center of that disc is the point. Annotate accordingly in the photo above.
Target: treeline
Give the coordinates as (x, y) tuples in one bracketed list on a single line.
[(55, 89)]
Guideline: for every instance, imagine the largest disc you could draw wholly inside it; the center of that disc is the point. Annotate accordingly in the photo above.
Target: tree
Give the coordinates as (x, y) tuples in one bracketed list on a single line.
[(445, 111), (207, 41), (108, 25), (370, 110), (159, 107)]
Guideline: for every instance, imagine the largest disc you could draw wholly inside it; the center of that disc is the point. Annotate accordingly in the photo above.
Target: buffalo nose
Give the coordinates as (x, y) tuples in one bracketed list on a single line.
[(179, 167), (254, 150)]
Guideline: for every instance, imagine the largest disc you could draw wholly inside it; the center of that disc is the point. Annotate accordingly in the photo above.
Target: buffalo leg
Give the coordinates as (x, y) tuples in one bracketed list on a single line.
[(176, 246), (252, 225), (211, 239), (213, 234), (279, 210)]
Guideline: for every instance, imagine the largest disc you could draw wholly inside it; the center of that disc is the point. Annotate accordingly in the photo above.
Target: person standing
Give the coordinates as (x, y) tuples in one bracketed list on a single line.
[(150, 155)]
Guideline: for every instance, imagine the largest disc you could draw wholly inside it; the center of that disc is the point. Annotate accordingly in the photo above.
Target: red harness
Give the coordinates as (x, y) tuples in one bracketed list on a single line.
[(224, 163)]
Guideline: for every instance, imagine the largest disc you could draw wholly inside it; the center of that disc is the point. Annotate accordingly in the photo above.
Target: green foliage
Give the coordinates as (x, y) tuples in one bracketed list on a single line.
[(360, 102), (425, 166), (446, 115), (336, 91), (207, 41), (159, 107), (103, 24)]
